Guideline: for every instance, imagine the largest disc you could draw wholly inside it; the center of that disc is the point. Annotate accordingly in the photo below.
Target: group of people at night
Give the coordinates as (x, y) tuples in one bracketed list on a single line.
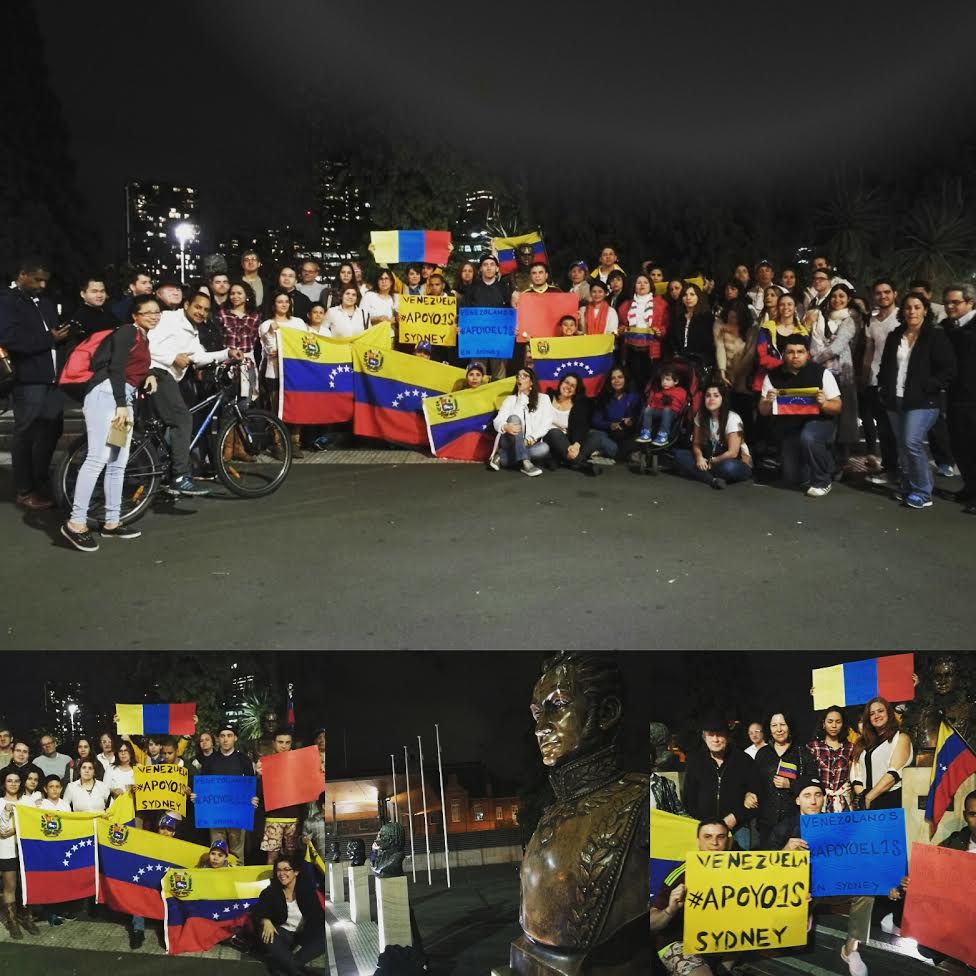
[(748, 793), (700, 369), (288, 921)]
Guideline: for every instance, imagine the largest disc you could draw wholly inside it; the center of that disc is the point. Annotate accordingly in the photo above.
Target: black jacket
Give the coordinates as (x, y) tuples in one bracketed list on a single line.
[(26, 331), (775, 804), (272, 906), (701, 339), (711, 790), (783, 832), (963, 340), (496, 295), (579, 419), (931, 369), (86, 319), (217, 764)]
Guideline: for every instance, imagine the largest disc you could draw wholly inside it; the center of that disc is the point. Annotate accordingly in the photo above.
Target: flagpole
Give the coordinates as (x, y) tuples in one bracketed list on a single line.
[(396, 807), (423, 793), (413, 859), (440, 771)]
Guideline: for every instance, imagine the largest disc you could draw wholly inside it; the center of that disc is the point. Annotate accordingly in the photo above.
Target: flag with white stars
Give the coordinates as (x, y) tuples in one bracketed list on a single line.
[(58, 855), (590, 357), (953, 764)]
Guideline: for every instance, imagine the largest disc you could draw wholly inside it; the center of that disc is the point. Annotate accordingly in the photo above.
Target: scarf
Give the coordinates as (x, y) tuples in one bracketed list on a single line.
[(596, 324), (640, 321)]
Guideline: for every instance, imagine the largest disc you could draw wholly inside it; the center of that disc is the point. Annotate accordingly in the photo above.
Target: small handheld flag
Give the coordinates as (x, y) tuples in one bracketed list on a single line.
[(797, 403), (786, 769), (953, 764)]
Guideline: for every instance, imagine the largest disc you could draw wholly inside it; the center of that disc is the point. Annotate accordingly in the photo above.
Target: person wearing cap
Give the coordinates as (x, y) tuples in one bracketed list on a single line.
[(228, 760), (423, 349), (809, 795), (578, 284), (489, 291), (473, 377), (166, 827), (721, 782), (281, 825), (216, 857)]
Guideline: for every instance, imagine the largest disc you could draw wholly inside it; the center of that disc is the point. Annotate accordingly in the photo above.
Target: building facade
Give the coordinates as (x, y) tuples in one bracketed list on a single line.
[(153, 212)]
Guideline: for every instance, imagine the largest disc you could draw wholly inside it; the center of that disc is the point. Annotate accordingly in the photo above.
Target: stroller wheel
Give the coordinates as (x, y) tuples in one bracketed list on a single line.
[(642, 464)]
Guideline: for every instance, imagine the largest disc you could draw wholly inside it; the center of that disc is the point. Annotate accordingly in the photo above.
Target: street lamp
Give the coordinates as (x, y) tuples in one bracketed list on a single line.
[(72, 708), (184, 232)]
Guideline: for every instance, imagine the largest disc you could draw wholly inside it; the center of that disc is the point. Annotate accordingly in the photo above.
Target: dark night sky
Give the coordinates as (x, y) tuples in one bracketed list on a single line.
[(383, 700), (765, 94)]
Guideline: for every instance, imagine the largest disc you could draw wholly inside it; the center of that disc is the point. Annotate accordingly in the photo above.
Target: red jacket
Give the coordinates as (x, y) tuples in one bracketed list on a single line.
[(675, 398), (662, 315)]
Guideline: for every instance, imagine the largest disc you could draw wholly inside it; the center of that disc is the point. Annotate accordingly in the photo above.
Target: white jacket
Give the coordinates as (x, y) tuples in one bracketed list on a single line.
[(535, 424), (175, 334)]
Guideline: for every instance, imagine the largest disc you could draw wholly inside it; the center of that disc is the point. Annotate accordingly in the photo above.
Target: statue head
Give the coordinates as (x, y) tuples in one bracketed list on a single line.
[(356, 851), (333, 855), (525, 255), (945, 673), (577, 704), (390, 842), (269, 722)]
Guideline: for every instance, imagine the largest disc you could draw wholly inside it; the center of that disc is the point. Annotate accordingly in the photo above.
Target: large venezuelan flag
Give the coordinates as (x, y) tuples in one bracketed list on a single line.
[(203, 906), (504, 248), (389, 389), (672, 837), (459, 425), (589, 356), (411, 246), (156, 719), (58, 855), (953, 764), (131, 865), (858, 682)]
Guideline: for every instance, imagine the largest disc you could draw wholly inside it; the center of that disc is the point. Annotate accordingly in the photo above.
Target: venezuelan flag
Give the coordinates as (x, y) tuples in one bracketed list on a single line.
[(459, 425), (389, 389), (786, 769), (156, 719), (589, 356), (57, 855), (131, 865), (859, 681), (203, 906), (411, 246), (672, 837), (953, 764), (504, 248), (799, 402)]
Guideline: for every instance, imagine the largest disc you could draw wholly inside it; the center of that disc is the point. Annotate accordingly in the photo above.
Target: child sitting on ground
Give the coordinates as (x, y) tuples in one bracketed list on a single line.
[(663, 405)]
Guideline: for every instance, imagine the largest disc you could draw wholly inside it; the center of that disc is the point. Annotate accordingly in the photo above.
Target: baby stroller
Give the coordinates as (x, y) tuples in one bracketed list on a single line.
[(691, 376)]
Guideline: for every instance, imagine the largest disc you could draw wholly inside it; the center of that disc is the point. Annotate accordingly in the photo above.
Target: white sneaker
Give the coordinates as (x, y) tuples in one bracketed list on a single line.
[(530, 469), (813, 492), (878, 479), (855, 963), (495, 463), (888, 925)]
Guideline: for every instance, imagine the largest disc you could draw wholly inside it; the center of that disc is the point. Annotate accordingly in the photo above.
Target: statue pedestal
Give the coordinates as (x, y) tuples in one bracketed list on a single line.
[(393, 912), (528, 959), (337, 891), (359, 893)]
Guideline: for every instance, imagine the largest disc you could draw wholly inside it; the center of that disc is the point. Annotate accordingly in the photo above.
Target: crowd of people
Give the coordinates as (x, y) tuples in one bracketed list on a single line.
[(751, 797), (783, 370), (287, 919)]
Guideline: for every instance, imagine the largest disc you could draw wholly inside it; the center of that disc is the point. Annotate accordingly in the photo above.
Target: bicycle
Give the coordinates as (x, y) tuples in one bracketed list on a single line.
[(257, 442)]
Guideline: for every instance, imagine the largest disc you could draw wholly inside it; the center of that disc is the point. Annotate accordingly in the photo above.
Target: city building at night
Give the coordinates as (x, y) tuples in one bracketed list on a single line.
[(153, 212)]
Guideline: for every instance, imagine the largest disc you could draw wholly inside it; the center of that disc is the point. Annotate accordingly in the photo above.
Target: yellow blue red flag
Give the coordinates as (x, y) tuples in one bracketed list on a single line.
[(459, 425), (389, 389), (672, 837), (504, 248), (58, 855), (589, 356)]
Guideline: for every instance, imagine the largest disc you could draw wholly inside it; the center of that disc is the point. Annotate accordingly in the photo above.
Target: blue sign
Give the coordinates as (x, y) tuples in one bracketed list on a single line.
[(486, 333), (224, 801), (861, 852)]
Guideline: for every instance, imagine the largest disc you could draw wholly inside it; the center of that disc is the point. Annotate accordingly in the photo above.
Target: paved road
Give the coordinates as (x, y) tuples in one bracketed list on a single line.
[(448, 555)]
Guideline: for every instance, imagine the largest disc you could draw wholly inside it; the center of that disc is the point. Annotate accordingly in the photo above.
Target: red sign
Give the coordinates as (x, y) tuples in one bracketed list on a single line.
[(539, 313), (291, 777), (938, 907)]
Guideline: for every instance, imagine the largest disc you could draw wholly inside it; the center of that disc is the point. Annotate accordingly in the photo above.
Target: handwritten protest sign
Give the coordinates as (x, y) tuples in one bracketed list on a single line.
[(162, 787), (486, 333), (938, 908), (430, 317), (539, 314), (224, 801), (861, 852), (291, 777), (743, 900)]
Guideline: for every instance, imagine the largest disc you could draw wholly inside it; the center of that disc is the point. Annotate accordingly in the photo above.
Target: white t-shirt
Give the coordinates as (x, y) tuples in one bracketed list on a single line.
[(560, 418), (878, 331), (733, 425), (752, 750), (374, 303), (269, 342), (294, 919), (119, 779), (82, 800), (904, 354), (106, 762), (342, 326), (61, 805), (31, 799)]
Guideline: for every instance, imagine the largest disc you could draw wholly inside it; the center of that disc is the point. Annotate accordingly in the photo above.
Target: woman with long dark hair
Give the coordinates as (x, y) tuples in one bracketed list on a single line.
[(11, 790), (83, 750), (880, 757), (718, 455), (781, 762), (464, 279), (567, 439), (522, 422), (346, 275), (616, 415), (832, 753), (691, 333)]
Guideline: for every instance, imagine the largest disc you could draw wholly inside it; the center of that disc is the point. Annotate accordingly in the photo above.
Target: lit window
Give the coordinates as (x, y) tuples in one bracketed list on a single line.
[(499, 814), (479, 813), (514, 814), (455, 812)]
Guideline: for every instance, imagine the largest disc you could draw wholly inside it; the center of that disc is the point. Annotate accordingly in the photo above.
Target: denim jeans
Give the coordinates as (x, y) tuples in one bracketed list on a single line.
[(280, 958), (910, 427), (808, 457), (512, 447), (599, 440), (730, 470), (663, 415), (99, 409)]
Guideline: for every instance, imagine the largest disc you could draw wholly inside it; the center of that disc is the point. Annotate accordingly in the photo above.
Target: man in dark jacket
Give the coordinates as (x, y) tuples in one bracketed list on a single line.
[(92, 315), (29, 331), (721, 783), (489, 291), (960, 305)]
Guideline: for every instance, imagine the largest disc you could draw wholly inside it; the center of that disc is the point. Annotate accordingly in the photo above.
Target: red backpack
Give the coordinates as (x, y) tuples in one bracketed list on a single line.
[(77, 370)]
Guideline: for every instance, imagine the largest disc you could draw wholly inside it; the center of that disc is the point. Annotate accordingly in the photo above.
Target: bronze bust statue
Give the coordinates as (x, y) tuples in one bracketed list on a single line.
[(944, 687), (334, 854), (356, 852), (389, 846), (584, 874)]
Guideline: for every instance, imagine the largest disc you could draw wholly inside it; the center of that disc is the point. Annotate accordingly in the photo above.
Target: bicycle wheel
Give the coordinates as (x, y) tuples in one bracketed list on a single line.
[(139, 484), (253, 455)]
